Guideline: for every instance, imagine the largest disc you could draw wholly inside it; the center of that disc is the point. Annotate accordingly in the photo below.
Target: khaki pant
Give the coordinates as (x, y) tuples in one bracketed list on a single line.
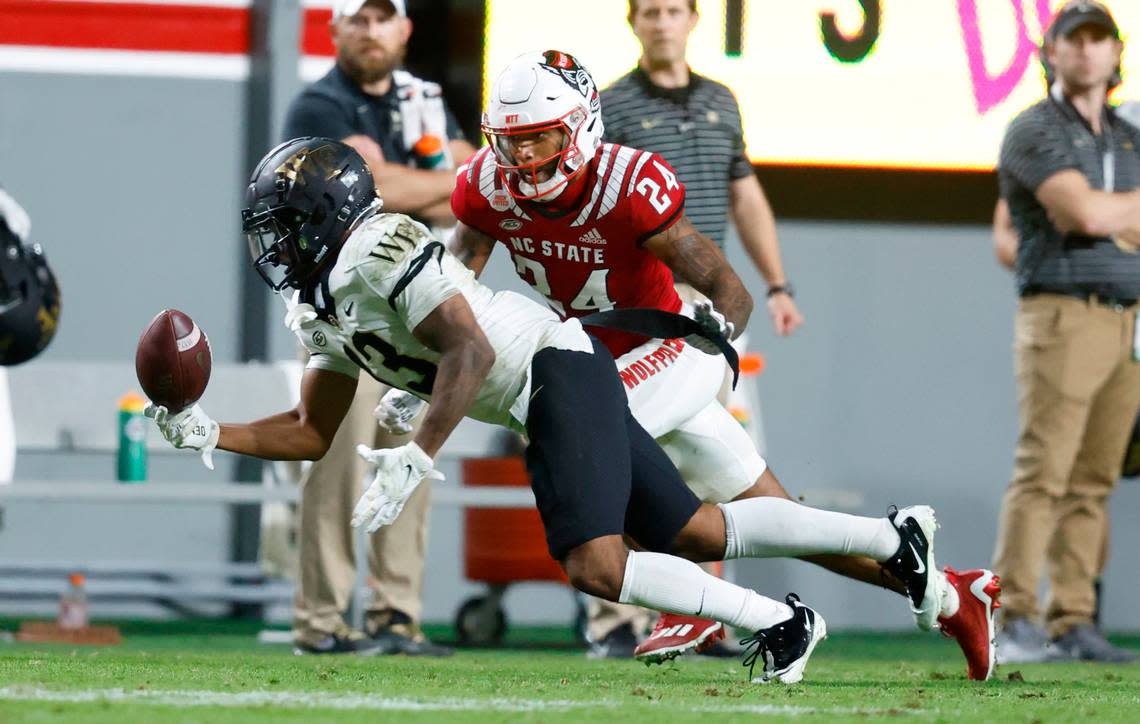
[(605, 616), (326, 538), (1078, 392)]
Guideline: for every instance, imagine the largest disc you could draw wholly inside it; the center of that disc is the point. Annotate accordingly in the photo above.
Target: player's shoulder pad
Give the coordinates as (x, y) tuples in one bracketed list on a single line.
[(467, 198), (469, 174), (382, 244), (654, 167), (389, 251)]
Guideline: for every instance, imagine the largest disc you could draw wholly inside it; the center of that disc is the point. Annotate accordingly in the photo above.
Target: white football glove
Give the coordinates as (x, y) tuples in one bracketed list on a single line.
[(398, 471), (397, 410), (298, 316), (192, 428), (713, 322)]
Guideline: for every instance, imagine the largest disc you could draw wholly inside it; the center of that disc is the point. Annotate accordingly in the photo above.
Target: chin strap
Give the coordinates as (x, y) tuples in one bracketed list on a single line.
[(659, 324)]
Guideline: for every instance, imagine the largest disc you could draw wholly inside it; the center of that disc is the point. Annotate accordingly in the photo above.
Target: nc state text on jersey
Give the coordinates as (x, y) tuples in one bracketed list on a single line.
[(559, 250)]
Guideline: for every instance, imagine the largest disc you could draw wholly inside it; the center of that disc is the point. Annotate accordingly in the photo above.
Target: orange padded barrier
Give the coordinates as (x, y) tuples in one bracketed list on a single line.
[(504, 545)]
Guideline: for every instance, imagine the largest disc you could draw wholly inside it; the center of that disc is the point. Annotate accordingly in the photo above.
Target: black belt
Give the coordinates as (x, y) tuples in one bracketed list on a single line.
[(660, 324), (1107, 301)]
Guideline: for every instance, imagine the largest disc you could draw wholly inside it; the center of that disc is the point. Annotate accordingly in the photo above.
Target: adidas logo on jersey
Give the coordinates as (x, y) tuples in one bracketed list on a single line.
[(592, 237)]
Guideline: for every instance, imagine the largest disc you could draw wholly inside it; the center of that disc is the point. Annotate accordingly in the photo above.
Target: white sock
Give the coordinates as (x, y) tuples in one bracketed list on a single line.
[(950, 600), (777, 528), (672, 584)]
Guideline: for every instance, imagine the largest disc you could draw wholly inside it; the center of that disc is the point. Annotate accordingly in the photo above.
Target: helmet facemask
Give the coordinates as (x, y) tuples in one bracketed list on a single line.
[(281, 255), (563, 165)]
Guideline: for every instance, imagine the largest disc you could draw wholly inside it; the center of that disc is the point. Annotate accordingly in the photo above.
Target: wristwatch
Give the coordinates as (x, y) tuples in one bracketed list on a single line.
[(785, 288)]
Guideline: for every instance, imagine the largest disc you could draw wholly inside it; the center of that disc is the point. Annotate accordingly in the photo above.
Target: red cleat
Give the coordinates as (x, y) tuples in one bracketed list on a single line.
[(674, 635), (973, 625)]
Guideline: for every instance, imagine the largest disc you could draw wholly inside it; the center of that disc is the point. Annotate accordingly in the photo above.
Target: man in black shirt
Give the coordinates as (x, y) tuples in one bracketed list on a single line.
[(401, 126), (397, 122), (1070, 174)]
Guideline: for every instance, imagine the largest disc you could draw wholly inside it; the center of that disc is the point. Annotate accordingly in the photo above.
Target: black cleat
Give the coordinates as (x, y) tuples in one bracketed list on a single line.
[(913, 562), (785, 647)]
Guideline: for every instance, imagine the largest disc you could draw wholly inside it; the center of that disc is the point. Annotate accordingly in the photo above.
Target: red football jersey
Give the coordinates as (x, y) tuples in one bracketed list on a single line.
[(589, 258)]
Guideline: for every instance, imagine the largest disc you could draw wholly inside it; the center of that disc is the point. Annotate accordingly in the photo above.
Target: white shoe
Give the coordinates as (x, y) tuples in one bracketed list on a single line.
[(913, 563), (785, 647)]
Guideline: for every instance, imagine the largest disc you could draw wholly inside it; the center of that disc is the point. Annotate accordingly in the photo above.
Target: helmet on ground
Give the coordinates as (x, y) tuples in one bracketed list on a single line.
[(536, 92), (302, 201)]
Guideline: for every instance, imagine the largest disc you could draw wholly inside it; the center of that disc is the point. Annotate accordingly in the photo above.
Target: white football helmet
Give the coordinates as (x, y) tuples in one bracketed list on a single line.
[(540, 91)]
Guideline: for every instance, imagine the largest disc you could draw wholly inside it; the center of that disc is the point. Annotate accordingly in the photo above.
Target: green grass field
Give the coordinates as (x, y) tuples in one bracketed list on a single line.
[(217, 672)]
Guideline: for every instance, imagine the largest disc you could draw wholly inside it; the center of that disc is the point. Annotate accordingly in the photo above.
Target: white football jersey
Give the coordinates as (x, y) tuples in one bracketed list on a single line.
[(389, 276)]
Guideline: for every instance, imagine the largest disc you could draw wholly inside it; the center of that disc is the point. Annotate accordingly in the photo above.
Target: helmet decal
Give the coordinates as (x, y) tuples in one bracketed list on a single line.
[(564, 66)]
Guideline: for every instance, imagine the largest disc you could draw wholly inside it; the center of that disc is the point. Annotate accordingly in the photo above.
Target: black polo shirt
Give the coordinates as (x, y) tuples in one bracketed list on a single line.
[(697, 129), (1052, 136), (335, 107)]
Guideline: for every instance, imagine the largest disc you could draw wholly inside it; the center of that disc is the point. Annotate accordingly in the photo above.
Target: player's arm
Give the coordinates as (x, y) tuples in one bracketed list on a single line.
[(303, 433), (472, 247), (411, 190), (447, 326), (756, 225), (696, 260), (1005, 236), (465, 360)]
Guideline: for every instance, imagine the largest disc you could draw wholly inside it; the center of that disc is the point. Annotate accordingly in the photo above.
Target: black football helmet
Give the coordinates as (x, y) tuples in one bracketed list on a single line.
[(29, 299), (302, 200)]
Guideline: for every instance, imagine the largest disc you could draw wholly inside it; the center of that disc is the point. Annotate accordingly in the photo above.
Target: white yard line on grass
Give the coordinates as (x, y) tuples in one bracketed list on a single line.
[(326, 700)]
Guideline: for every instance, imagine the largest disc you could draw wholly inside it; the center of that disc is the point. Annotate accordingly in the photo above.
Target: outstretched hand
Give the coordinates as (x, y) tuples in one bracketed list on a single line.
[(398, 471), (190, 429)]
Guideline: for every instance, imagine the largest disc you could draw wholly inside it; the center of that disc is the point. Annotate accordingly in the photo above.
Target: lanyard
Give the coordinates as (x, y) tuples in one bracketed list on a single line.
[(1108, 160)]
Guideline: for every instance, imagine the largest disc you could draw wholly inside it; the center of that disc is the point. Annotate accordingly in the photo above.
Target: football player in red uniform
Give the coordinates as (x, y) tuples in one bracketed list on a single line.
[(594, 226)]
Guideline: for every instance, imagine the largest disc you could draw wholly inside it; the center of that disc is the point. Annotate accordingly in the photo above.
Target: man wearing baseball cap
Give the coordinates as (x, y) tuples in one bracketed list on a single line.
[(1070, 174), (1074, 14), (348, 8), (411, 141)]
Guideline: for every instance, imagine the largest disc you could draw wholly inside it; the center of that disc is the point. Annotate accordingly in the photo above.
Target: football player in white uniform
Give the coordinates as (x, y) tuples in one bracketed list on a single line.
[(376, 292)]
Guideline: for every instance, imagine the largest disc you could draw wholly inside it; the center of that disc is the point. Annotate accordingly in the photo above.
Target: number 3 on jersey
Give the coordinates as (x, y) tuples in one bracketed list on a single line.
[(651, 190), (593, 295)]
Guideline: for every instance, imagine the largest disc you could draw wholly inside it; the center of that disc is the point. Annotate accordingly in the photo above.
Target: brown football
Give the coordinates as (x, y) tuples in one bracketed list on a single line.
[(173, 360)]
